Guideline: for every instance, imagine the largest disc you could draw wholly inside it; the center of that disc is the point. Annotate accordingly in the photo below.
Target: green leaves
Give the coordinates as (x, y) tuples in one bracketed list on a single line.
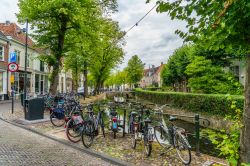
[(135, 69), (211, 104), (212, 18), (174, 70), (208, 78)]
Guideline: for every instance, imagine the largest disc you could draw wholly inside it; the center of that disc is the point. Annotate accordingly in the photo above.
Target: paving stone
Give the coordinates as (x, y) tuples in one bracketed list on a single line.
[(19, 147)]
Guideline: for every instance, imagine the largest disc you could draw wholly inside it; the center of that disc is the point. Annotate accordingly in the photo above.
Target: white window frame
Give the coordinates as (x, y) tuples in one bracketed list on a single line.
[(2, 59)]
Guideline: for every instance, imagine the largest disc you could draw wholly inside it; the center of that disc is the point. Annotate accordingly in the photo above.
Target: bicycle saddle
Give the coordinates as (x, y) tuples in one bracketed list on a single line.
[(133, 113), (172, 118), (147, 120)]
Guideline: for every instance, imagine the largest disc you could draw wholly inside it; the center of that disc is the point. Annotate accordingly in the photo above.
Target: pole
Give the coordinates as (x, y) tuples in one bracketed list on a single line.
[(124, 122), (25, 65), (12, 105), (197, 134)]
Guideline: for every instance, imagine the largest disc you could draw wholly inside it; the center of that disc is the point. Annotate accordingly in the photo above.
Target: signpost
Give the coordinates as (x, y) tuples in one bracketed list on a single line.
[(12, 67), (13, 57)]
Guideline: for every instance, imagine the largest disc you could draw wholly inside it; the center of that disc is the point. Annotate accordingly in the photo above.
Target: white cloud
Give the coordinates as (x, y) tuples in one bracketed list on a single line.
[(8, 8), (154, 39)]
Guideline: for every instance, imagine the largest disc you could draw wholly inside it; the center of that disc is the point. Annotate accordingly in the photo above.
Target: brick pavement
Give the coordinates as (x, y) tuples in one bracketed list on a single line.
[(19, 147)]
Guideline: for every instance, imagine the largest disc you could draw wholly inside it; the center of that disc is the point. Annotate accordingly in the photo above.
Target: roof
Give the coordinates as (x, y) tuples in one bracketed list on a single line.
[(152, 71), (3, 37), (13, 30)]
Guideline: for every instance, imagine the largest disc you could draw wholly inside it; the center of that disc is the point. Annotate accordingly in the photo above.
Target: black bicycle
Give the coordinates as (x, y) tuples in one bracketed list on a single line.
[(92, 127), (142, 131), (172, 137)]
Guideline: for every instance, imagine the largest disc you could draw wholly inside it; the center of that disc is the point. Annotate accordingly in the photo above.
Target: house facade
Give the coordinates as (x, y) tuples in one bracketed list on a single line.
[(4, 51), (152, 76), (13, 41)]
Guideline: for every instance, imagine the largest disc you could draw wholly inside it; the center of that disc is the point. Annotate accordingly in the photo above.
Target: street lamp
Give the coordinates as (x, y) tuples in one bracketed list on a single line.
[(25, 63)]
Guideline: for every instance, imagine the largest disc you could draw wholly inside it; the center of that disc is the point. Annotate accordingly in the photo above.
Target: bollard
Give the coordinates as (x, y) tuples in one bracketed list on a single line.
[(197, 134), (124, 120)]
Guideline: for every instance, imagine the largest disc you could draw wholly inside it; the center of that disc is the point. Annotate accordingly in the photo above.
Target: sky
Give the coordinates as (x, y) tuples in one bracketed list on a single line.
[(153, 40)]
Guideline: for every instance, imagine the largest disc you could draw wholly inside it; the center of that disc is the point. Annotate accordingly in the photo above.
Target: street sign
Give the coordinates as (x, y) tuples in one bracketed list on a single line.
[(13, 67), (12, 78), (13, 57)]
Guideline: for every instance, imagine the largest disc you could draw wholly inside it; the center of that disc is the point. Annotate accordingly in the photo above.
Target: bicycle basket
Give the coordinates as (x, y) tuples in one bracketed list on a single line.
[(59, 113)]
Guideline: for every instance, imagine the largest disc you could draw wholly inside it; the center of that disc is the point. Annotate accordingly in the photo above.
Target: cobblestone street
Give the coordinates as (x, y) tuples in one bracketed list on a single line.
[(21, 147)]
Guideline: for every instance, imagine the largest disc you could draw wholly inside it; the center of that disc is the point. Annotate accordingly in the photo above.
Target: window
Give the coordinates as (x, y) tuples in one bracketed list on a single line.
[(37, 80), (1, 53), (17, 56), (28, 60), (41, 66), (1, 82)]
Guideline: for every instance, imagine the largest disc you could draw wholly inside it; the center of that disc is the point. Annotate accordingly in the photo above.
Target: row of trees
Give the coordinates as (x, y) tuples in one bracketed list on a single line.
[(79, 36), (191, 69), (215, 25), (131, 75)]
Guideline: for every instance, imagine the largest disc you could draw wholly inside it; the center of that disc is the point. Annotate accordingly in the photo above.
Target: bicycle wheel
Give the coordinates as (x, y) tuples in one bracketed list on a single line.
[(162, 136), (88, 134), (147, 144), (102, 126), (55, 121), (183, 148), (135, 136), (73, 131)]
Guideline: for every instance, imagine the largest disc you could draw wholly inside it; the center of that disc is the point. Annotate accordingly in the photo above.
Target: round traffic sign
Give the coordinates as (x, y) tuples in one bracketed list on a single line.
[(13, 67)]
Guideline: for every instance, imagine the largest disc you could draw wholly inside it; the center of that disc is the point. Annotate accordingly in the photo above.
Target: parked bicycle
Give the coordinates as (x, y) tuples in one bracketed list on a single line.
[(115, 122), (142, 130), (92, 127), (75, 125), (172, 137)]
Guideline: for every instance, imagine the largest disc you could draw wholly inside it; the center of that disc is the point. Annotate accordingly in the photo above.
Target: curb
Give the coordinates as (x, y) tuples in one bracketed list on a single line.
[(64, 142)]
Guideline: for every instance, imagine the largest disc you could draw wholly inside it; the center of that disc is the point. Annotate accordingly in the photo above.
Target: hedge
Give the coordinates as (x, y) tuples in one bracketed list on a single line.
[(216, 104)]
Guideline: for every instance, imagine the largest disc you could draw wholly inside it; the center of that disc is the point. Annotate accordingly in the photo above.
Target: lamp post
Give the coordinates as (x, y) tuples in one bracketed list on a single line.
[(25, 64)]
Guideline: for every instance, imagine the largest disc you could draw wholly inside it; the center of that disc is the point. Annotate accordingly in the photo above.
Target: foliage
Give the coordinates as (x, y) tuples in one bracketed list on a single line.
[(173, 72), (108, 52), (228, 141), (51, 21), (56, 22), (213, 104), (118, 78), (218, 25), (212, 24), (208, 78), (135, 69)]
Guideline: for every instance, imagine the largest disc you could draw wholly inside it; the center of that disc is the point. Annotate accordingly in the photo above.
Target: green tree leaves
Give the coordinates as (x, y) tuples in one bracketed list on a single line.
[(135, 69)]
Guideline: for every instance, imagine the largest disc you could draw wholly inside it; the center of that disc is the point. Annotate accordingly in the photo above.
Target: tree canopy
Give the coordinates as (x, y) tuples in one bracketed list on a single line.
[(218, 25), (135, 69)]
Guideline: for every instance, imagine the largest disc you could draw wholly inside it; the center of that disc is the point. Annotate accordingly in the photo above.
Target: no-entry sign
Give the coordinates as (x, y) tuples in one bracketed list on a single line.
[(13, 67)]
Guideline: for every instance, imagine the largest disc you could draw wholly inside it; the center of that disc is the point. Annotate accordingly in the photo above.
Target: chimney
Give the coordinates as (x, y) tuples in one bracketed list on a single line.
[(7, 22), (161, 63)]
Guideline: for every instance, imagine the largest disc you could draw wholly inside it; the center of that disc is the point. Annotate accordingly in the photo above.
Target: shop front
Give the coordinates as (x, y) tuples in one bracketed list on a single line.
[(17, 82)]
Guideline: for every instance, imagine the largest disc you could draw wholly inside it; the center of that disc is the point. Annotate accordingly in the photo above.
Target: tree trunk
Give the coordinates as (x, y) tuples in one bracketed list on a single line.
[(54, 79), (245, 132), (58, 56), (85, 73)]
